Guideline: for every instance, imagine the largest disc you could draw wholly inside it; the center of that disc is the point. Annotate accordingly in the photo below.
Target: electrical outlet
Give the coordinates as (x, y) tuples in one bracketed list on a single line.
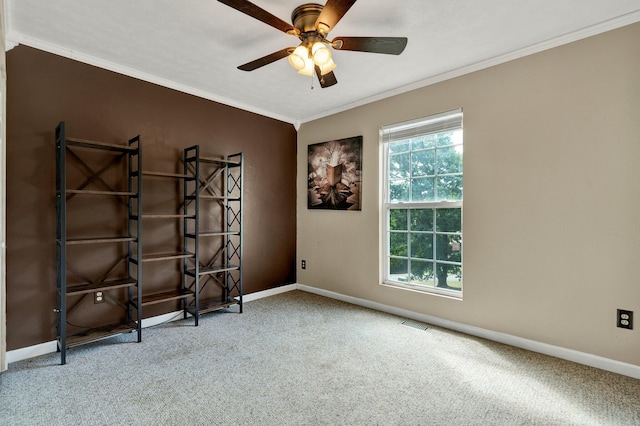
[(625, 319), (304, 264), (98, 297)]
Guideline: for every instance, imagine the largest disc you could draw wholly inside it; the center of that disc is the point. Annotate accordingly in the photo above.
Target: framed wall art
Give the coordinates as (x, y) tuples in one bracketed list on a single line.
[(335, 175)]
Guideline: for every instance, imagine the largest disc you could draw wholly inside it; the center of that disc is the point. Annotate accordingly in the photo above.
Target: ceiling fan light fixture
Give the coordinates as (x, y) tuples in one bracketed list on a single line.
[(321, 55), (312, 23), (299, 57), (328, 67), (308, 68)]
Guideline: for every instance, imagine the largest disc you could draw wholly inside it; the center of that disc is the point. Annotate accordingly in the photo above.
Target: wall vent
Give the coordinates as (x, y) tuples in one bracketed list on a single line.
[(414, 324)]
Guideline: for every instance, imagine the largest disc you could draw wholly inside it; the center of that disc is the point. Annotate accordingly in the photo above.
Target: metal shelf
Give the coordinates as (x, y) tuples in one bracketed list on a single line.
[(76, 289), (213, 234), (92, 192), (215, 269), (213, 305), (167, 216), (99, 333), (216, 197), (158, 257), (99, 240), (84, 143), (222, 181), (222, 174), (220, 161), (95, 185), (166, 175), (184, 293), (165, 296)]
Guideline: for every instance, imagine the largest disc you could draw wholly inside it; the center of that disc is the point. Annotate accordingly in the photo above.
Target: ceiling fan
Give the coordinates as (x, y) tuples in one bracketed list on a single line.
[(311, 24)]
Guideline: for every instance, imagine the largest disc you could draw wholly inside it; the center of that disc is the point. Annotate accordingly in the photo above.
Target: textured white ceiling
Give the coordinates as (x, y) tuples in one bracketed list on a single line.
[(196, 45)]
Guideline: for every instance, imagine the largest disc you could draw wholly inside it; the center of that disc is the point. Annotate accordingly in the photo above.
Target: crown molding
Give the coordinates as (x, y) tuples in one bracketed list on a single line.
[(19, 38), (13, 38), (612, 24)]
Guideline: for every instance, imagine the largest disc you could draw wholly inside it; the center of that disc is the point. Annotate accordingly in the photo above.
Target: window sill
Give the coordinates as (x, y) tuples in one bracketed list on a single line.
[(434, 291)]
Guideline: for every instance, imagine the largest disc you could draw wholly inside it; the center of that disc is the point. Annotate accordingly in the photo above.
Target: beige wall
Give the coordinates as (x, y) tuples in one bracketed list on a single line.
[(552, 171)]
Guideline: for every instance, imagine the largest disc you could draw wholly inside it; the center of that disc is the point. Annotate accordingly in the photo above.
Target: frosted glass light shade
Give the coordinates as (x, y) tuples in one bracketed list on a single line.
[(328, 67), (308, 68), (298, 58), (321, 55)]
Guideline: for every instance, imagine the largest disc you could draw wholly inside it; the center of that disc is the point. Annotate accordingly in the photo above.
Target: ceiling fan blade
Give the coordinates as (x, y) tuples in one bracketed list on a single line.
[(327, 80), (260, 14), (266, 60), (388, 45), (331, 13)]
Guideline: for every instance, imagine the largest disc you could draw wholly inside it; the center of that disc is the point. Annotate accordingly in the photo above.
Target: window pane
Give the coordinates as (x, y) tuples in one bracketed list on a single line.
[(449, 247), (398, 244), (450, 188), (455, 242), (425, 241), (446, 138), (398, 219), (422, 189), (399, 166), (424, 141), (422, 219), (399, 191), (422, 273), (422, 246), (423, 163), (398, 269), (396, 147), (449, 276), (448, 220), (449, 160)]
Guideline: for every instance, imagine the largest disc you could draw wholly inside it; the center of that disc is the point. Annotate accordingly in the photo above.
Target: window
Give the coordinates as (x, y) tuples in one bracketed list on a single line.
[(423, 204)]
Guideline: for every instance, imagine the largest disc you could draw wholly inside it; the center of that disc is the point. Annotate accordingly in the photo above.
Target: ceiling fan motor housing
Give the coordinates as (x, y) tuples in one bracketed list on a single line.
[(304, 17)]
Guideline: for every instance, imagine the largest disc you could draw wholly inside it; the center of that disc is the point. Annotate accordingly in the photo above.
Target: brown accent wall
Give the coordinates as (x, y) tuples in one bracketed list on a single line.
[(44, 89)]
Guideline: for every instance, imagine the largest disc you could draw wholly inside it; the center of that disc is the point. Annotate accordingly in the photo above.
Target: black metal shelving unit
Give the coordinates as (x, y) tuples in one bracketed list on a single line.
[(107, 288), (180, 292), (217, 279)]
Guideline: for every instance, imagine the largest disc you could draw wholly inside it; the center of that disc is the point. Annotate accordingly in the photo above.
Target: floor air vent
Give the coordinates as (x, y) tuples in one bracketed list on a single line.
[(414, 324)]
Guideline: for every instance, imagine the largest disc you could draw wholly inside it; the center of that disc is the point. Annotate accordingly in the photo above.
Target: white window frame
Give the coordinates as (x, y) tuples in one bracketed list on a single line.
[(436, 124), (3, 191)]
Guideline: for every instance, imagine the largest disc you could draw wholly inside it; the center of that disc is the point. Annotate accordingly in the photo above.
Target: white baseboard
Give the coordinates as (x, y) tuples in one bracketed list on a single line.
[(31, 351), (51, 346), (602, 363), (270, 292)]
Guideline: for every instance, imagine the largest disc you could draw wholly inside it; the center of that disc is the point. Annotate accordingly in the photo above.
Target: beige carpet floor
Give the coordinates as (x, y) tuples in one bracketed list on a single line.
[(301, 359)]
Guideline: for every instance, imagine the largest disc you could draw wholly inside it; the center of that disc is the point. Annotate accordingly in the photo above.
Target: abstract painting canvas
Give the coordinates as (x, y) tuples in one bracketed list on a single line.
[(335, 174)]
